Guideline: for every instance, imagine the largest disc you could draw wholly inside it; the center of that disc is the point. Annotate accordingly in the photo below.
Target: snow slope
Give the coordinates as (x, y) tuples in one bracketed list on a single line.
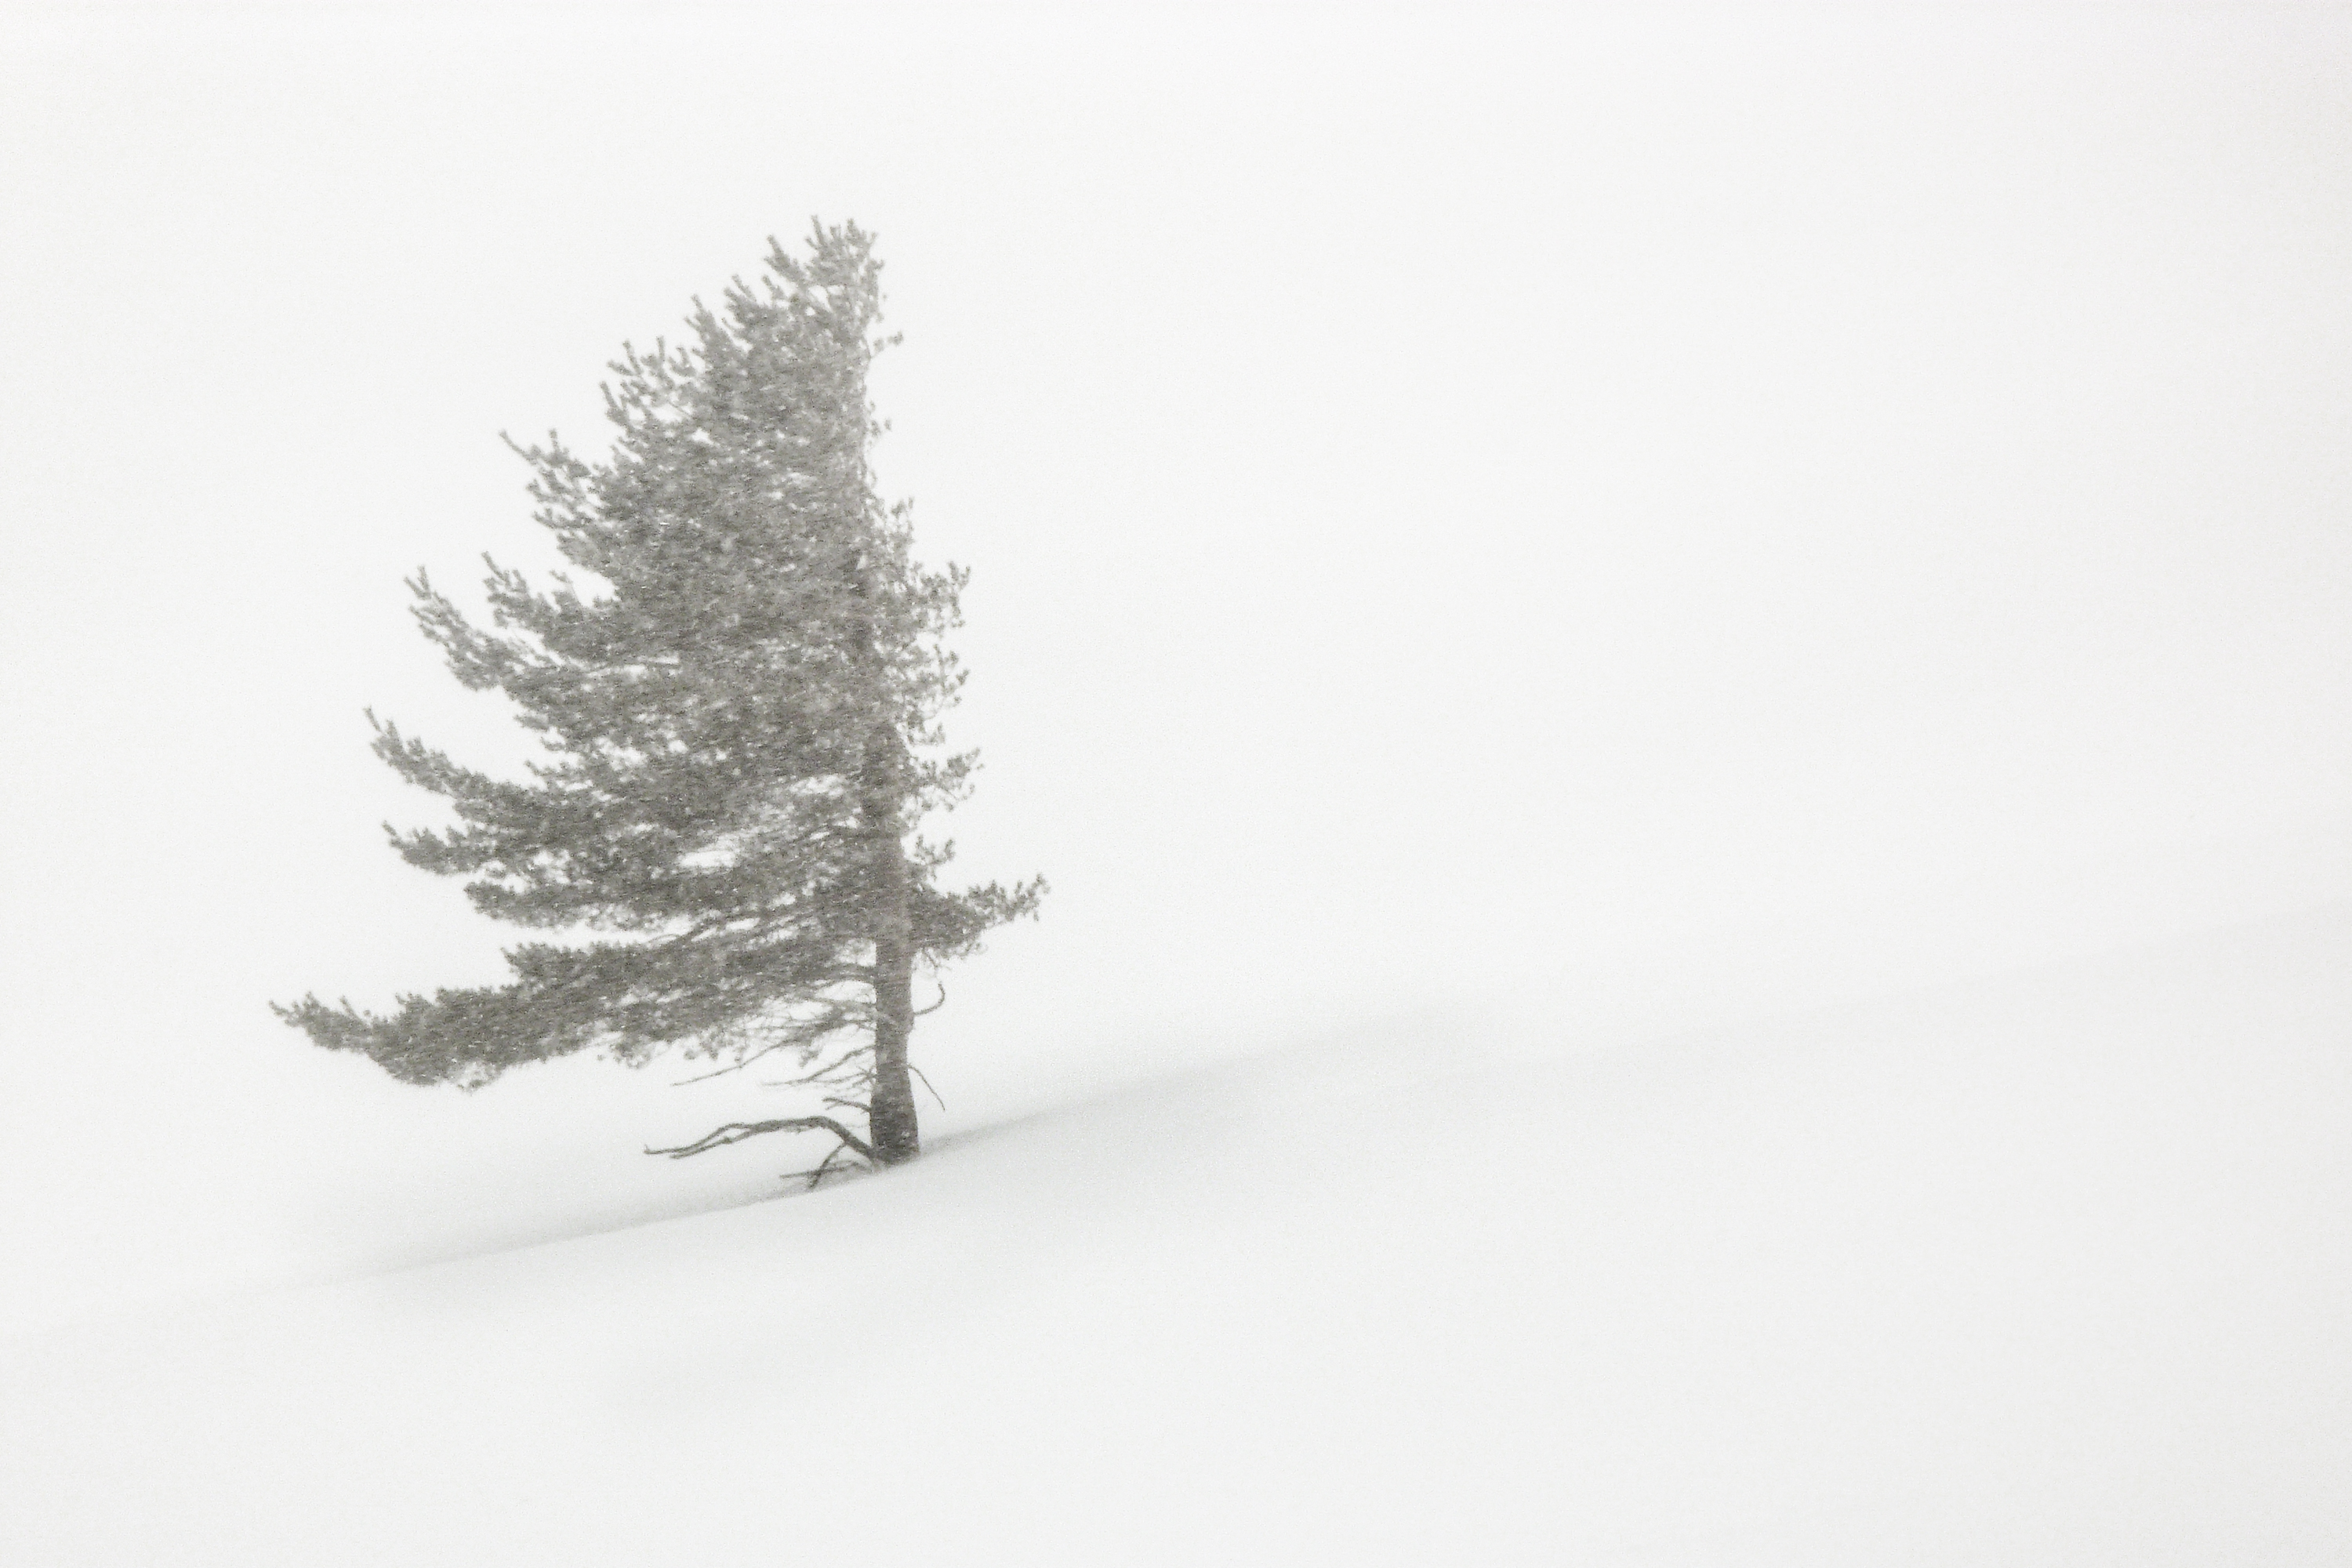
[(2051, 1268)]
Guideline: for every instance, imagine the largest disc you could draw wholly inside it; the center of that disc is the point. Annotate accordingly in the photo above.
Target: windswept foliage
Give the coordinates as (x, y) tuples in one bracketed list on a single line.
[(743, 729)]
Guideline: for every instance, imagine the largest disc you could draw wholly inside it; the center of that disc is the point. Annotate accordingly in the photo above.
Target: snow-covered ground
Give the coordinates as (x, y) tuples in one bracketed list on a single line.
[(2053, 1268), (1641, 519)]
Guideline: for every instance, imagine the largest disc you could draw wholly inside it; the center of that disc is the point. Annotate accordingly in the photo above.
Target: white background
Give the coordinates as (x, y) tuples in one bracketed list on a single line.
[(1563, 523)]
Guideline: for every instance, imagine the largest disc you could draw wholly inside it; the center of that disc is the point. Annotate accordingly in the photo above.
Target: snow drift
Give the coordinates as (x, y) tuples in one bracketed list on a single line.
[(2051, 1268)]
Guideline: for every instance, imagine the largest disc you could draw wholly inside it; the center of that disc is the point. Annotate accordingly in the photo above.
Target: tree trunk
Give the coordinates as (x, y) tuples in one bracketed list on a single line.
[(882, 791), (891, 1105), (891, 1101)]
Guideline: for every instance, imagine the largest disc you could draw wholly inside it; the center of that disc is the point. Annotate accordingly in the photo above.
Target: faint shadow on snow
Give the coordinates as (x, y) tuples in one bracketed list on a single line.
[(2045, 1267)]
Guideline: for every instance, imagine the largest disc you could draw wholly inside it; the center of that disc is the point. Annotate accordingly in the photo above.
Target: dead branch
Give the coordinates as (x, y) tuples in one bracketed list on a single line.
[(805, 1035), (769, 1049), (817, 1175), (840, 1070), (736, 1132)]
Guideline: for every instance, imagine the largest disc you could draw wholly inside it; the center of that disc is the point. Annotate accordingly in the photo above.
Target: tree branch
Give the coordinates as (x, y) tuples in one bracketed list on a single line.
[(816, 1177), (768, 1050), (736, 1132)]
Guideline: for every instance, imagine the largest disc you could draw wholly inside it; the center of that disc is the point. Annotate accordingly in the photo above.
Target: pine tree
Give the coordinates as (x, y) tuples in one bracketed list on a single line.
[(744, 732)]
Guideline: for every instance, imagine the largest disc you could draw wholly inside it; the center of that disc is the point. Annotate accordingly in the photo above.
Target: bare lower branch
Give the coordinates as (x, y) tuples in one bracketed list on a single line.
[(927, 1083), (806, 1036), (736, 1132), (733, 1067), (842, 1069), (816, 1177)]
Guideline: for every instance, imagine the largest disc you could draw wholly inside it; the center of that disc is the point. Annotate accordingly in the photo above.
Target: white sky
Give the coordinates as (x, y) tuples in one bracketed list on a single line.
[(1608, 521)]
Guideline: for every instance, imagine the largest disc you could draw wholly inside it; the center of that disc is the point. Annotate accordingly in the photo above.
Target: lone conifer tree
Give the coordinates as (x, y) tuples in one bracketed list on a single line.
[(743, 730)]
